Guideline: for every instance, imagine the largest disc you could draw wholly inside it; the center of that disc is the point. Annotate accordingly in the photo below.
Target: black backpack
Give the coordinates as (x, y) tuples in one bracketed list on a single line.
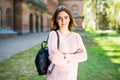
[(41, 61)]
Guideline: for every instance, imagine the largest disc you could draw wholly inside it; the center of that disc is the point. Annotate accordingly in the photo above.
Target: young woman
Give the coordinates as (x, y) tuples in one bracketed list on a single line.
[(71, 49)]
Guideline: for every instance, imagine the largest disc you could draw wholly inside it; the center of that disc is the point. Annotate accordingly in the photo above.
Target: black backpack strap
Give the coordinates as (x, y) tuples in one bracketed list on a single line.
[(58, 39)]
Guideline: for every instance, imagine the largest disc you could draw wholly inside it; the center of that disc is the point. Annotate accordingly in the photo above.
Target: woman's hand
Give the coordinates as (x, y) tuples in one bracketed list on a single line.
[(79, 50)]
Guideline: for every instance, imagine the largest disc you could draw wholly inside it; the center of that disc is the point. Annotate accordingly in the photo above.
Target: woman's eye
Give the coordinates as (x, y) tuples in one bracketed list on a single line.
[(66, 17), (59, 18)]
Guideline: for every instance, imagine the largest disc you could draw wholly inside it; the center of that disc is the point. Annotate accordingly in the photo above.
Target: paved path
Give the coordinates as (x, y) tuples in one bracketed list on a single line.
[(11, 46)]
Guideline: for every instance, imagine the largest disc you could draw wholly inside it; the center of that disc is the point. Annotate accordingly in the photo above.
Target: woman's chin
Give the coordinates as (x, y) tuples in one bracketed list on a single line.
[(63, 26)]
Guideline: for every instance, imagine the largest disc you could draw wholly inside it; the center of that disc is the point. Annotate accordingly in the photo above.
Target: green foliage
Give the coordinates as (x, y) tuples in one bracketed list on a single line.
[(118, 29), (90, 29), (102, 16), (105, 13)]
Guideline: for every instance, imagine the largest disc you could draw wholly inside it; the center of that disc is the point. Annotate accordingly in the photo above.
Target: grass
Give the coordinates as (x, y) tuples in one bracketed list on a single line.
[(103, 61), (20, 66)]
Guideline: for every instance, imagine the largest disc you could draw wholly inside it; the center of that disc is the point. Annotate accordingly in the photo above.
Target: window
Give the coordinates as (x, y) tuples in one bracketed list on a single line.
[(74, 11)]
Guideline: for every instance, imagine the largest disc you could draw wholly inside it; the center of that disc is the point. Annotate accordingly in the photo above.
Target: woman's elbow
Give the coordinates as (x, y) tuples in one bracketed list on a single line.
[(83, 58)]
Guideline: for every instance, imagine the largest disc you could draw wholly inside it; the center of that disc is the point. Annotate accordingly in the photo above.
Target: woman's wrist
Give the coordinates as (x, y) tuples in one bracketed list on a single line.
[(64, 56)]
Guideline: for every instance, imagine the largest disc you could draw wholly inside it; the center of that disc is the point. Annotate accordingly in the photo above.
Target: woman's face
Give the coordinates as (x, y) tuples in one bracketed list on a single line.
[(63, 19)]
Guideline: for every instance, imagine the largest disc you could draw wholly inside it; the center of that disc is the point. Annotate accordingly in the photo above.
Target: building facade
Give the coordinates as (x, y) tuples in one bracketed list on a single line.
[(23, 16), (33, 16)]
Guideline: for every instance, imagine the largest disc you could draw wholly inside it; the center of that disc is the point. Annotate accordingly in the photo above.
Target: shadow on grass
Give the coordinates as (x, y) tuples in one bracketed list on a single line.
[(99, 65)]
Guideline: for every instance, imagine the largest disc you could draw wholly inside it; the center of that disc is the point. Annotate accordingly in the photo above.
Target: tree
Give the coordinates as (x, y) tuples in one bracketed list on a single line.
[(114, 15), (105, 14)]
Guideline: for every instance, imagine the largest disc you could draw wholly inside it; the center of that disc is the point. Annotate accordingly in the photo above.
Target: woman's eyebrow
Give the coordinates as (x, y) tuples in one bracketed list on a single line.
[(66, 16)]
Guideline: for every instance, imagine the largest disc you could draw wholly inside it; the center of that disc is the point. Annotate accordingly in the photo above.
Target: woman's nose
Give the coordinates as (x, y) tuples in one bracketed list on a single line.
[(63, 20)]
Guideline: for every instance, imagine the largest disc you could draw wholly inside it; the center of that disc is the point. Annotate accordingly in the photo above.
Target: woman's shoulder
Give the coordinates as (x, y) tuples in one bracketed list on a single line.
[(52, 33), (75, 34)]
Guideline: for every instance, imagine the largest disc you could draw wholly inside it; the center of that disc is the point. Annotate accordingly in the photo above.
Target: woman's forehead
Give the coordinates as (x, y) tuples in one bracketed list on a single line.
[(62, 13)]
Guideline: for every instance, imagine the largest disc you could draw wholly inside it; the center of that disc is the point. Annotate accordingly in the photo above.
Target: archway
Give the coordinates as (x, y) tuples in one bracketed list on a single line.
[(31, 23), (41, 26), (8, 18), (0, 18), (36, 24)]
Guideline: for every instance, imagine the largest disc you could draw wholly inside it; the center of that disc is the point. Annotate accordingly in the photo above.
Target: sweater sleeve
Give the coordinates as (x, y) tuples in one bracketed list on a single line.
[(55, 56), (79, 57)]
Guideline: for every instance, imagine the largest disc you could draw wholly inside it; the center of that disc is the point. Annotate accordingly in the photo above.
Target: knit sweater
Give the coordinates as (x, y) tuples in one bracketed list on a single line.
[(65, 66)]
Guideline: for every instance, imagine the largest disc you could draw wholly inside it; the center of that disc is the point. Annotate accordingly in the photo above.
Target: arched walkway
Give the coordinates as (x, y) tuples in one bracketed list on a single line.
[(8, 18), (31, 23), (41, 26), (0, 18), (36, 24)]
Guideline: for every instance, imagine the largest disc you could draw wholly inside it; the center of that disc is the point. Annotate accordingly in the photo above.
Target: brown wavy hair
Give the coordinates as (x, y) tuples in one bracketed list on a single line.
[(54, 24)]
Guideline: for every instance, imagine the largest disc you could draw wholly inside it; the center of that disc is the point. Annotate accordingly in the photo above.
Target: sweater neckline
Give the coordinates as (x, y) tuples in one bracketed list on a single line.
[(67, 35)]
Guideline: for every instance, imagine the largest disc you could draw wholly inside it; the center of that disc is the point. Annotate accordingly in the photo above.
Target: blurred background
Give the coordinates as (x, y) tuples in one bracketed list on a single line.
[(102, 15)]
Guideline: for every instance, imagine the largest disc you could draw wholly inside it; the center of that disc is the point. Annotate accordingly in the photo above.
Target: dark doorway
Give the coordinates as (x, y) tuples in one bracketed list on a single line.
[(31, 23), (8, 18), (41, 23), (36, 26), (0, 18)]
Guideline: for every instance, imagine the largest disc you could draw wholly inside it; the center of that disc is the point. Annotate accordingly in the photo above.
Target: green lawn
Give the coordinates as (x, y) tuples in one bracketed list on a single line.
[(103, 61)]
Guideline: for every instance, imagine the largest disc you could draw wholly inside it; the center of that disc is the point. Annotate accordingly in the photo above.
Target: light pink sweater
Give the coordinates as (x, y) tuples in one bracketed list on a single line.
[(65, 68)]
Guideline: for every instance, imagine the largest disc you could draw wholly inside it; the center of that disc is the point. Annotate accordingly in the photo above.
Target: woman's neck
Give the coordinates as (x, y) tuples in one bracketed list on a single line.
[(64, 32)]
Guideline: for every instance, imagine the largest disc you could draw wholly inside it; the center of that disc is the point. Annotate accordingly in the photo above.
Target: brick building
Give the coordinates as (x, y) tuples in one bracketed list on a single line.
[(23, 16), (31, 16)]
